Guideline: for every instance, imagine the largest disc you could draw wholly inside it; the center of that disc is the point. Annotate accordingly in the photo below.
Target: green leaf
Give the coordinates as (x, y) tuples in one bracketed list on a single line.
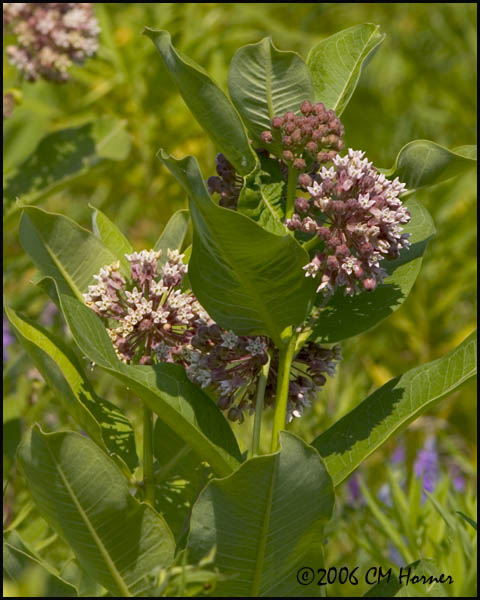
[(180, 475), (468, 520), (165, 388), (422, 162), (173, 234), (103, 421), (389, 409), (336, 63), (266, 522), (265, 82), (247, 279), (63, 156), (347, 316), (19, 562), (83, 495), (262, 198), (63, 250), (111, 236), (209, 105)]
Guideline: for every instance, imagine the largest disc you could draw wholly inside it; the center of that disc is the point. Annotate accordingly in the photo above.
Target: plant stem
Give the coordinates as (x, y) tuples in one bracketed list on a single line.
[(148, 478), (281, 397), (291, 191), (312, 243), (257, 424)]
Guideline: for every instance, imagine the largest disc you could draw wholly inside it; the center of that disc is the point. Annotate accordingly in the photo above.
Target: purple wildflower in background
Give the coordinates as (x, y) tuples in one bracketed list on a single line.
[(8, 338), (426, 465), (457, 478), (354, 494), (51, 37), (48, 315), (398, 456)]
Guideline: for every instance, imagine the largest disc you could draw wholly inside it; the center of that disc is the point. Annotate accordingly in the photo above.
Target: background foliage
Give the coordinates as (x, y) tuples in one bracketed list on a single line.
[(420, 84)]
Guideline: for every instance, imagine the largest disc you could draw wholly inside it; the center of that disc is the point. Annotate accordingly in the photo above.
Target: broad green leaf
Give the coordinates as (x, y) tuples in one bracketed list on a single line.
[(266, 522), (83, 495), (111, 236), (350, 440), (165, 388), (19, 562), (347, 316), (262, 198), (265, 82), (247, 279), (63, 156), (63, 250), (209, 105), (173, 235), (103, 421), (180, 475), (336, 63), (422, 162)]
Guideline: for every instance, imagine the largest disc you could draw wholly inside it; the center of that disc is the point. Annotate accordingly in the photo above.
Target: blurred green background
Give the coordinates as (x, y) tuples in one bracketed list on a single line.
[(420, 84)]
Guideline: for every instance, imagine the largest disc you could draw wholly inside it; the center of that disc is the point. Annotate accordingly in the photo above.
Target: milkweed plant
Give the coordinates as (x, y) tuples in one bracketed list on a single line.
[(298, 243)]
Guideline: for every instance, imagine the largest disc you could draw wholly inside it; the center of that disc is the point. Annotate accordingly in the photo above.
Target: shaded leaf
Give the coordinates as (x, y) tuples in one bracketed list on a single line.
[(111, 236), (173, 234), (336, 63), (346, 316), (209, 105), (266, 521), (247, 279), (265, 82), (63, 250), (422, 162), (83, 495), (394, 588), (348, 442), (103, 421), (164, 387), (18, 561), (63, 156)]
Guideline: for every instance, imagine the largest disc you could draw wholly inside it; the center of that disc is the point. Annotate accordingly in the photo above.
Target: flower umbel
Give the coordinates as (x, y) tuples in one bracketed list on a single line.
[(155, 319), (51, 36), (357, 215)]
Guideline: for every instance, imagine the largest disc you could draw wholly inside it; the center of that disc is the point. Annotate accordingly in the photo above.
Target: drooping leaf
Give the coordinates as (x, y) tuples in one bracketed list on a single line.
[(63, 250), (18, 561), (165, 388), (173, 234), (389, 409), (265, 82), (468, 520), (63, 156), (180, 475), (246, 278), (111, 236), (347, 316), (266, 522), (209, 105), (103, 421), (336, 63), (83, 495), (422, 162)]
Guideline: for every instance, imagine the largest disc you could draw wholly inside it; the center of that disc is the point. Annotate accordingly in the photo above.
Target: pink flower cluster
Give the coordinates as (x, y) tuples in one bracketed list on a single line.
[(357, 215), (51, 36)]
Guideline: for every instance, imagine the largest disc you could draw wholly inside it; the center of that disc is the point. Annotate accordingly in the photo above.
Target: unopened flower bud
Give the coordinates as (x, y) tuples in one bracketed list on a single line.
[(369, 284), (277, 122), (304, 180), (301, 205), (306, 107), (266, 136), (287, 155), (299, 164)]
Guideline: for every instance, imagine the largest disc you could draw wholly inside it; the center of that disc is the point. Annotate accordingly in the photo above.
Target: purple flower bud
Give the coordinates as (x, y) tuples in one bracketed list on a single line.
[(304, 180), (369, 284), (277, 122), (299, 164), (287, 155), (306, 107), (266, 137), (302, 205), (289, 116), (311, 147)]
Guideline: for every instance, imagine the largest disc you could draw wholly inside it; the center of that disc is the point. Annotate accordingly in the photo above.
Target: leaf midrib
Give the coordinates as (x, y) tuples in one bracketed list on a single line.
[(103, 551)]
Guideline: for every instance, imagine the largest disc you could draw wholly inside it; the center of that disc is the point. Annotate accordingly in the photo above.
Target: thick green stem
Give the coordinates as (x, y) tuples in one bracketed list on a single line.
[(148, 477), (291, 191), (281, 397), (257, 424)]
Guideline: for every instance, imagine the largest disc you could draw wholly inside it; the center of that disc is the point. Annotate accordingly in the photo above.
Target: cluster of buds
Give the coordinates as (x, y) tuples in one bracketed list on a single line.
[(228, 183), (155, 320), (230, 366), (357, 215), (307, 140), (51, 36)]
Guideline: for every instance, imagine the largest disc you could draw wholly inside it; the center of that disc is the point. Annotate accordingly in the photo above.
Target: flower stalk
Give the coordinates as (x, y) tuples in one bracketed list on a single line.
[(291, 191), (283, 383), (257, 425)]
